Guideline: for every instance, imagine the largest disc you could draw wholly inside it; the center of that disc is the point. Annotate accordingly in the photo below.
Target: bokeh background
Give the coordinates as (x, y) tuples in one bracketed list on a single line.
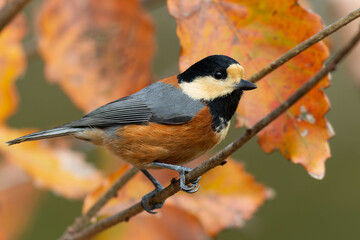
[(303, 208)]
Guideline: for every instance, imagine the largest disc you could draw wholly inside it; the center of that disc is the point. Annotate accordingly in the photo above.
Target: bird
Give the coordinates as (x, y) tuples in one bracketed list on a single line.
[(166, 124)]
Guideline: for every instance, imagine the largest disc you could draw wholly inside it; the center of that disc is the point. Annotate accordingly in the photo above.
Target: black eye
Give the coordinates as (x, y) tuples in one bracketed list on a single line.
[(219, 75)]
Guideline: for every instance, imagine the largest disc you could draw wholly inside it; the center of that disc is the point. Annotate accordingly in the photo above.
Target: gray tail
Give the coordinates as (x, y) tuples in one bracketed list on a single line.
[(50, 133)]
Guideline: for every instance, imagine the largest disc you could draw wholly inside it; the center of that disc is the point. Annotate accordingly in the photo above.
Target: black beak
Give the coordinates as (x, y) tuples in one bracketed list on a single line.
[(245, 85)]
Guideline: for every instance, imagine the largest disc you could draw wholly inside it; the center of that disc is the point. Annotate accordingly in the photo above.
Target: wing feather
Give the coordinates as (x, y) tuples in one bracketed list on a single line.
[(128, 110), (161, 103)]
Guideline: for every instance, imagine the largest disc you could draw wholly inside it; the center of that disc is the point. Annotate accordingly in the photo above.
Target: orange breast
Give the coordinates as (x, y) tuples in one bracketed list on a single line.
[(174, 144)]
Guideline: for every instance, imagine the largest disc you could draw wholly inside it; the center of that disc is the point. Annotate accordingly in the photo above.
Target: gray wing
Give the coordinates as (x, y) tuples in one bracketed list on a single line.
[(168, 104), (123, 111), (159, 102)]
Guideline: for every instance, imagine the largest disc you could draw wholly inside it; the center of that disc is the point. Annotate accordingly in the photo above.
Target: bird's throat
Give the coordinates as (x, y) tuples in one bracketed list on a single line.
[(222, 109)]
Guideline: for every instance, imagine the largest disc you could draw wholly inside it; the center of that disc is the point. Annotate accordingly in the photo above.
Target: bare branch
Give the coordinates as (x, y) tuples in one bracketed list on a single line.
[(305, 45), (84, 219), (220, 157), (10, 10)]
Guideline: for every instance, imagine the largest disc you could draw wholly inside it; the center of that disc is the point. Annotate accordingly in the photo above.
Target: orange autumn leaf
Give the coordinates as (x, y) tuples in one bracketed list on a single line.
[(173, 223), (62, 170), (59, 169), (12, 63), (235, 199), (98, 51), (255, 33), (18, 199), (227, 191)]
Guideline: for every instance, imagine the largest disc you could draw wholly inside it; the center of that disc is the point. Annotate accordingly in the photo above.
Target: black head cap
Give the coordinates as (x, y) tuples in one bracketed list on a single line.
[(207, 67)]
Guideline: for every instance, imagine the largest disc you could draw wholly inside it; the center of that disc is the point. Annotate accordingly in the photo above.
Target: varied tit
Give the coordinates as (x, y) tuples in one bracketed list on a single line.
[(166, 124)]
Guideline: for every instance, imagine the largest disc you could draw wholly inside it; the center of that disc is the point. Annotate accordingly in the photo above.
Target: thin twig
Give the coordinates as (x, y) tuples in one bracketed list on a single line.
[(84, 219), (10, 10), (219, 158), (305, 45)]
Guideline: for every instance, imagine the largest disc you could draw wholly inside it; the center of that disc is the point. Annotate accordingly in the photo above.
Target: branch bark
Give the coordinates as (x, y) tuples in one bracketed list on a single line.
[(84, 219), (10, 11), (220, 157)]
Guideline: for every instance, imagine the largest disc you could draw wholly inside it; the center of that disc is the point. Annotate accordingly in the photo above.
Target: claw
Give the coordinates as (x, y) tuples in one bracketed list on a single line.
[(197, 180), (193, 188), (145, 202), (190, 188)]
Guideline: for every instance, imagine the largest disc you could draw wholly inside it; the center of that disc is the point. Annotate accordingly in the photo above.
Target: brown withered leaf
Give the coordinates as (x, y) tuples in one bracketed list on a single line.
[(255, 33), (98, 51)]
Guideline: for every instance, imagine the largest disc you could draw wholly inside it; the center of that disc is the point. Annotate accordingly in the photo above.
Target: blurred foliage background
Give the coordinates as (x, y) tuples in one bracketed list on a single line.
[(303, 208)]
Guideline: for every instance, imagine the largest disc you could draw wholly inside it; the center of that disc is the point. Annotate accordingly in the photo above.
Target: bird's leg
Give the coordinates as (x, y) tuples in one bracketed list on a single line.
[(145, 199), (190, 188)]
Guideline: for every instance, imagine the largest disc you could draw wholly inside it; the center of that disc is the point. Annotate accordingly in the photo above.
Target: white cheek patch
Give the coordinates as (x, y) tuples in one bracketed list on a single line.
[(208, 88)]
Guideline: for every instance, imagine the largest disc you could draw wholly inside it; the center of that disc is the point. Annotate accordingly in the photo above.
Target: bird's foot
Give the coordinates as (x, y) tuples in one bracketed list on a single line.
[(147, 205), (192, 187)]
